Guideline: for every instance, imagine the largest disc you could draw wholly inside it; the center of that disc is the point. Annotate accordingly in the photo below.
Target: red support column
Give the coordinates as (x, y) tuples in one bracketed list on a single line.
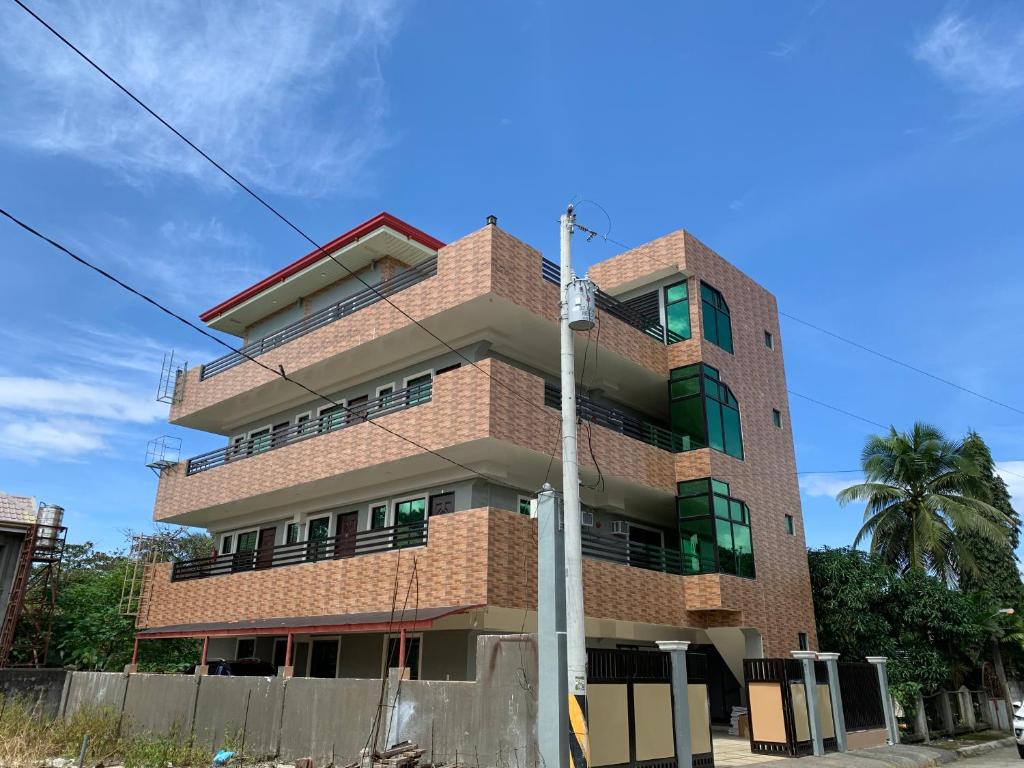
[(135, 651), (401, 649), (288, 651), (206, 644)]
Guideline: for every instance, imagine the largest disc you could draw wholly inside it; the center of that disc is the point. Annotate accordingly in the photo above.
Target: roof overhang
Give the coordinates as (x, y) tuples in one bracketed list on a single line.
[(373, 621), (383, 235)]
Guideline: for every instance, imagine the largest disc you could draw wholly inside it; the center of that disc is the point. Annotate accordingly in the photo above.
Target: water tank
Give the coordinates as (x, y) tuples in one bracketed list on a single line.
[(50, 518), (580, 296)]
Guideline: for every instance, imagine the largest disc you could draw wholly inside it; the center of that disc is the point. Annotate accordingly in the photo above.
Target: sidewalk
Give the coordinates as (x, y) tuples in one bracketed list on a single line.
[(899, 756)]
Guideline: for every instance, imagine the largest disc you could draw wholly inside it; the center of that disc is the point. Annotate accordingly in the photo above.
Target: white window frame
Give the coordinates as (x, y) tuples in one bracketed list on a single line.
[(251, 432), (521, 498), (407, 379), (385, 386), (397, 636), (299, 431), (238, 641), (399, 499), (223, 538)]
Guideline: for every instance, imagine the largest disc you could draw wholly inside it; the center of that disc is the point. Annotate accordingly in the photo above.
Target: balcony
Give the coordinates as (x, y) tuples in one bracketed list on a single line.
[(623, 423), (301, 552), (330, 422), (479, 557), (488, 286), (489, 420), (325, 316)]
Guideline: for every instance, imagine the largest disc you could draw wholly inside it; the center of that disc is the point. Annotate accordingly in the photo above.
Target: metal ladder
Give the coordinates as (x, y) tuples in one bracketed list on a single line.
[(17, 597)]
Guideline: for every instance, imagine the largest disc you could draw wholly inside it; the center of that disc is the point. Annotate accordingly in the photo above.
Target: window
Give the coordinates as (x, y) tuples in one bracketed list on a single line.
[(769, 340), (418, 389), (677, 313), (790, 528), (245, 547), (293, 533), (524, 505), (714, 529), (448, 368), (246, 649), (259, 441), (332, 417), (247, 541), (225, 545), (801, 639), (378, 516), (717, 324), (302, 424), (776, 417), (319, 531), (411, 513), (237, 445), (277, 434), (704, 411)]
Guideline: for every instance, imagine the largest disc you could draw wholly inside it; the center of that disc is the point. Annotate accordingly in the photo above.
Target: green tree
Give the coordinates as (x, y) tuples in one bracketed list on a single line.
[(922, 503), (848, 585)]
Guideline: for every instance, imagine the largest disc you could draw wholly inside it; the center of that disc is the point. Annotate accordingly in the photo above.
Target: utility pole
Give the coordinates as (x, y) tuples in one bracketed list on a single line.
[(576, 641)]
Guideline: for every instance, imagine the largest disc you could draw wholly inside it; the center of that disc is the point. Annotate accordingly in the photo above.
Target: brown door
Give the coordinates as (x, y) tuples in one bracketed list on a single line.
[(265, 548), (345, 538), (442, 504)]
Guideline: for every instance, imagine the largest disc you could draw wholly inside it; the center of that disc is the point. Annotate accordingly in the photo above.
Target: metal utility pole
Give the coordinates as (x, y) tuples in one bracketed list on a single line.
[(579, 737)]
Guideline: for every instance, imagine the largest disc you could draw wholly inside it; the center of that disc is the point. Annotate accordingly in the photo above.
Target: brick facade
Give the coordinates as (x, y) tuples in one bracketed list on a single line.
[(487, 556)]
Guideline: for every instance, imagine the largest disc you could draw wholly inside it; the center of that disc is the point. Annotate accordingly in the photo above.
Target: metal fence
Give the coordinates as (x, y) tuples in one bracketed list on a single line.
[(861, 695)]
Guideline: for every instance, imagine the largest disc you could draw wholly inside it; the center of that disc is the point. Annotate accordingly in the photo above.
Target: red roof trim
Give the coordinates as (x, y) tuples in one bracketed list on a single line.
[(383, 219)]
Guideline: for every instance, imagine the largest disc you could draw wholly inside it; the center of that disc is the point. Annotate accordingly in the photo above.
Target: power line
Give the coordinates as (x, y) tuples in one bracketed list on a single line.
[(279, 371), (288, 222), (837, 409), (896, 361)]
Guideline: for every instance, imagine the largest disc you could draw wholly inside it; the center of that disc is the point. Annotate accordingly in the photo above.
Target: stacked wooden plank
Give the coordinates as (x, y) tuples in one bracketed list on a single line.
[(405, 754)]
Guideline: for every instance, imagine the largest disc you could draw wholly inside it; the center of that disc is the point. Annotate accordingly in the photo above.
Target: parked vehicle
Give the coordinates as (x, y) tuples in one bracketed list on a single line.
[(1018, 728), (241, 668)]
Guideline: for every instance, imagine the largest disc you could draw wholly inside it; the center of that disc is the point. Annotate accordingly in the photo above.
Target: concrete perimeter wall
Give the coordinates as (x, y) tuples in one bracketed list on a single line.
[(489, 721), (40, 689)]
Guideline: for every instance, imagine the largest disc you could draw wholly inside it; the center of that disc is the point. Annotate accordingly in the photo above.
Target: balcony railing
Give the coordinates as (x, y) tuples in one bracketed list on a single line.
[(328, 422), (323, 317), (552, 273), (310, 551), (623, 423), (631, 553)]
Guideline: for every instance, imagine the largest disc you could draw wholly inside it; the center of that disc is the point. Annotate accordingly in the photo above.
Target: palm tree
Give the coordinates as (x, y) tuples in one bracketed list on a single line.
[(922, 503)]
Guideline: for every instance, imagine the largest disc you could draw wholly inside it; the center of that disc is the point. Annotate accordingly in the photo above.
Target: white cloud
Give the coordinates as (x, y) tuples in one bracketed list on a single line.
[(823, 484), (54, 440), (1012, 473), (53, 397), (983, 59), (291, 97)]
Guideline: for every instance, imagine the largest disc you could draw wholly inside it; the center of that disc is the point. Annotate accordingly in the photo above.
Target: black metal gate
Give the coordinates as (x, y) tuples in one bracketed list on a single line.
[(776, 727), (632, 668)]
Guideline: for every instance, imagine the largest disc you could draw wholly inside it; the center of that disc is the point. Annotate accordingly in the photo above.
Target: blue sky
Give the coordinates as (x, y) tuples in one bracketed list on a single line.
[(864, 162)]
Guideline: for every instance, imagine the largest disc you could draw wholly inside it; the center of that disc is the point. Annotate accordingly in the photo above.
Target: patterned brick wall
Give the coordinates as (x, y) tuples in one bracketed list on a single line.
[(780, 598)]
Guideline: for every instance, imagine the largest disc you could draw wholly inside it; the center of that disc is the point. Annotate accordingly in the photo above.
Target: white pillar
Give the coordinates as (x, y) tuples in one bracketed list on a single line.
[(807, 658), (680, 700), (552, 702), (835, 693), (883, 684)]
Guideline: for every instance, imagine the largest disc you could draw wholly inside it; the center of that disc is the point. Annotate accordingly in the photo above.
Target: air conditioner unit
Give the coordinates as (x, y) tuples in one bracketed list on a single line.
[(587, 519), (620, 528)]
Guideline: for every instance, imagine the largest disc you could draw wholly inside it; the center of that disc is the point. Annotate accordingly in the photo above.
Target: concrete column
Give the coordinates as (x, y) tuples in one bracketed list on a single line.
[(883, 684), (680, 700), (921, 720), (946, 710), (807, 658), (835, 693), (552, 683), (967, 708)]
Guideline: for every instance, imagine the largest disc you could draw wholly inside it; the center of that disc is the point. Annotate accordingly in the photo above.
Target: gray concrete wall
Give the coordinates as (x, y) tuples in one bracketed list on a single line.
[(228, 708), (100, 690), (40, 689), (486, 722)]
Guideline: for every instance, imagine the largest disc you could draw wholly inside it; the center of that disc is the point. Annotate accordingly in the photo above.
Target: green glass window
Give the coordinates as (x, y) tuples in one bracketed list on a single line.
[(776, 417), (769, 340), (247, 542), (714, 529), (332, 418), (225, 545), (790, 527), (319, 530), (677, 313), (408, 513), (378, 517), (259, 441), (524, 505), (717, 323), (704, 412), (418, 389), (292, 533)]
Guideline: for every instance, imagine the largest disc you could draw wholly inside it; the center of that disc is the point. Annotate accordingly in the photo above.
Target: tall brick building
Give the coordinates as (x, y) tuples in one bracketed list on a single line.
[(396, 515)]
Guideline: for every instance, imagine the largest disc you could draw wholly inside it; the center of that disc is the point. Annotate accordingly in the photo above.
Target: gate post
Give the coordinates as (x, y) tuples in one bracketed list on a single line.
[(807, 658), (883, 683), (680, 700), (835, 693)]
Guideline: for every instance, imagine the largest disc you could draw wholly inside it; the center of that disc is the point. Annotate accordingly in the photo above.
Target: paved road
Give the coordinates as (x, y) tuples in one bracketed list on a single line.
[(998, 758)]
